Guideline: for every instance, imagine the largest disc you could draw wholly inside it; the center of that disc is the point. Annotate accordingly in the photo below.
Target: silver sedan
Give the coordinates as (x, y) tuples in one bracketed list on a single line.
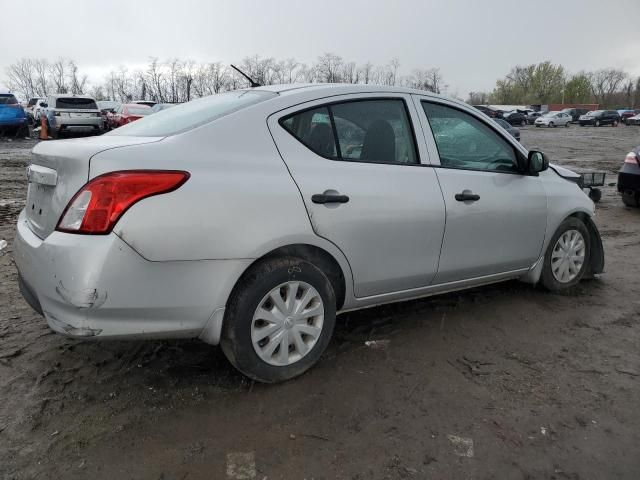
[(250, 218)]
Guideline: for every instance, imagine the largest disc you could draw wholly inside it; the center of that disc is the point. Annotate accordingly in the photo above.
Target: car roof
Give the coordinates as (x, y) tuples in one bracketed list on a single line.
[(70, 95), (310, 91)]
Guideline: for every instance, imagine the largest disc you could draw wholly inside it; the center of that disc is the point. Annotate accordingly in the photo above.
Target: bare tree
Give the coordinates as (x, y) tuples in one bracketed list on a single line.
[(605, 82), (328, 67), (58, 71), (20, 77)]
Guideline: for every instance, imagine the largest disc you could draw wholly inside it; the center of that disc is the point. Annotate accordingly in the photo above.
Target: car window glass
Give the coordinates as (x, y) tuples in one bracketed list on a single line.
[(465, 142), (193, 114), (313, 128), (374, 131)]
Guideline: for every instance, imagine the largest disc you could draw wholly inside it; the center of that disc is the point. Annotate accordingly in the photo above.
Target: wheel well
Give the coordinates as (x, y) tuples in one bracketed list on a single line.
[(596, 260), (316, 255)]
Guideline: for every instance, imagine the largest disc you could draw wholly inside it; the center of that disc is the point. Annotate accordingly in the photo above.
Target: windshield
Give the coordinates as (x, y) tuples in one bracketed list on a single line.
[(76, 103), (192, 114), (550, 114), (138, 110), (595, 112), (8, 100)]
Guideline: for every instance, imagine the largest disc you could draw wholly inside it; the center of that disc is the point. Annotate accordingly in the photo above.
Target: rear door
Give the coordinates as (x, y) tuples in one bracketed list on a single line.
[(496, 216), (367, 186)]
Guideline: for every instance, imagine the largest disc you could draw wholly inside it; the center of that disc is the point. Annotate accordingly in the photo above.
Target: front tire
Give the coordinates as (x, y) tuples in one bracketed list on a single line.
[(567, 257), (279, 320), (551, 124), (597, 123)]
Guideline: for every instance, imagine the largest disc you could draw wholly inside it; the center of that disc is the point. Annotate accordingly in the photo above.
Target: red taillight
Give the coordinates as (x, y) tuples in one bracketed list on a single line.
[(97, 207), (632, 157)]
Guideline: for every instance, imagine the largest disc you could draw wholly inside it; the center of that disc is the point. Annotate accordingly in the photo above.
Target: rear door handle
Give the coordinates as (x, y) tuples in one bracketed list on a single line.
[(467, 196), (329, 198)]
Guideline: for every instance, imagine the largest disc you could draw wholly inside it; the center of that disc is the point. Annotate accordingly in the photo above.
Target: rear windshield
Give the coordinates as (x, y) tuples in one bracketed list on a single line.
[(138, 110), (192, 114), (8, 100), (77, 103)]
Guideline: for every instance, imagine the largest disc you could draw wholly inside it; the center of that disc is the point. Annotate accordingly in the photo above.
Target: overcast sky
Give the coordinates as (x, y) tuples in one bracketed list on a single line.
[(473, 42)]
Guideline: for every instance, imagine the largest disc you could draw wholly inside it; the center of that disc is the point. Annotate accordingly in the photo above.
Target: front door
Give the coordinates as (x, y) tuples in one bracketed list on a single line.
[(496, 215), (357, 165)]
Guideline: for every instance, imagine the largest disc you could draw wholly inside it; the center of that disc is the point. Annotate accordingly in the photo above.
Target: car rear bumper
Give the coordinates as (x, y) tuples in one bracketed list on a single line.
[(629, 179), (75, 124), (98, 286)]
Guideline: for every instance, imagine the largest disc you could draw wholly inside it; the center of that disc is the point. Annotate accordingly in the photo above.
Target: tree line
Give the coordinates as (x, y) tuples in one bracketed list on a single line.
[(176, 80), (546, 83)]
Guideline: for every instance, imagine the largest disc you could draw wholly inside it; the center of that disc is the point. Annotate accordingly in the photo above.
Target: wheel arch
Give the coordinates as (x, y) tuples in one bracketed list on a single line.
[(596, 256), (338, 276)]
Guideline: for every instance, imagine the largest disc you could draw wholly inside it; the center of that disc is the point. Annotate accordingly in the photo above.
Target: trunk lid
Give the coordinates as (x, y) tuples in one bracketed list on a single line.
[(58, 170)]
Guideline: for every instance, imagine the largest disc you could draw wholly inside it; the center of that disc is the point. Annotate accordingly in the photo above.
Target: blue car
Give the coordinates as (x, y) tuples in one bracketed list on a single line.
[(13, 118)]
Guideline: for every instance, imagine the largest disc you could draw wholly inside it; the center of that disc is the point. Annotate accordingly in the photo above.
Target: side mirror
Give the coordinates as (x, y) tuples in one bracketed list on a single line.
[(537, 162)]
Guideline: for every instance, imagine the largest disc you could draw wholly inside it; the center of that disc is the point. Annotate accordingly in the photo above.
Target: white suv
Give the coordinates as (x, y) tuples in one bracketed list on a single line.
[(72, 113)]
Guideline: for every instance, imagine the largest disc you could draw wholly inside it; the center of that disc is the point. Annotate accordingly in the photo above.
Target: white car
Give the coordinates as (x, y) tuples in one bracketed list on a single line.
[(553, 119)]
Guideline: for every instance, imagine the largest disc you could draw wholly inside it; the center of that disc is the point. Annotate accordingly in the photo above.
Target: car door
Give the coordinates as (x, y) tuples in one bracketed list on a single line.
[(496, 215), (364, 181)]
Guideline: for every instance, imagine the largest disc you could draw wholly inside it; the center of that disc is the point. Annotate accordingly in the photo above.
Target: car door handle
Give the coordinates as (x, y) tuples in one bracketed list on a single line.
[(329, 198), (467, 196)]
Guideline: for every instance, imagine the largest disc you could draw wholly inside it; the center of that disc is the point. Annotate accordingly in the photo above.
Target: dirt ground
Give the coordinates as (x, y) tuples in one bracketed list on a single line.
[(502, 382)]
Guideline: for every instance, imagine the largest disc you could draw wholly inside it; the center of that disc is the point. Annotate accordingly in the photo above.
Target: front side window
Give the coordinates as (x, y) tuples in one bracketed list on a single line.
[(464, 142), (373, 131)]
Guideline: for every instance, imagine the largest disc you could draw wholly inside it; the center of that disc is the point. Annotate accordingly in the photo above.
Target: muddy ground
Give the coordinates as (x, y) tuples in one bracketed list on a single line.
[(502, 382)]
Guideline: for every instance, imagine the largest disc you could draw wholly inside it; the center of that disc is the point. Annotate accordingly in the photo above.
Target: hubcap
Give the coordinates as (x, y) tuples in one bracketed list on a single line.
[(568, 256), (287, 323)]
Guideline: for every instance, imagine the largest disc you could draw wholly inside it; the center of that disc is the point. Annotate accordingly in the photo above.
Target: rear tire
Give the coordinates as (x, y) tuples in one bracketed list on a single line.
[(551, 124), (631, 199), (615, 123), (252, 296), (553, 274), (523, 123)]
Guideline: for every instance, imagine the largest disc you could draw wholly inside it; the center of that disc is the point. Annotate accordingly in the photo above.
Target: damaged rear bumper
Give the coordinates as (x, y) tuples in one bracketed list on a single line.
[(98, 286)]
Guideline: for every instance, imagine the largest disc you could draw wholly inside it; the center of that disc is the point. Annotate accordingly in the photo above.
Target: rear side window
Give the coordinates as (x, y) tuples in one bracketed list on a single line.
[(8, 100), (373, 131), (76, 103), (314, 129), (193, 114)]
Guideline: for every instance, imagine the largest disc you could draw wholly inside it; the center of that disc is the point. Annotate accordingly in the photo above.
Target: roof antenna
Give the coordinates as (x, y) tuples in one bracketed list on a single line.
[(251, 81)]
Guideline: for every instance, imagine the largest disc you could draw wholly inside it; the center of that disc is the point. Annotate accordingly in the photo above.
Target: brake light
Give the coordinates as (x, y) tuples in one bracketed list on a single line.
[(632, 157), (98, 206)]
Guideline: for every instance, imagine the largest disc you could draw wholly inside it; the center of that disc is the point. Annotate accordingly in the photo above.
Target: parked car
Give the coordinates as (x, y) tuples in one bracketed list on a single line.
[(575, 113), (148, 103), (515, 118), (13, 119), (629, 179), (553, 119), (490, 112), (600, 117), (35, 108), (241, 219), (633, 120), (627, 114), (158, 107), (531, 116), (513, 131), (106, 107), (127, 113), (72, 114)]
